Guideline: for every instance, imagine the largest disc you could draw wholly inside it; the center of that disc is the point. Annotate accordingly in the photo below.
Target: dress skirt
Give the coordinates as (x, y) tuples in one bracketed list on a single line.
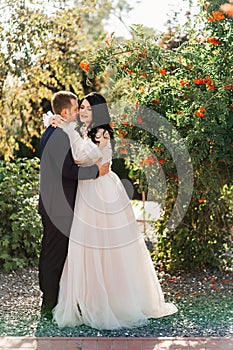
[(108, 280)]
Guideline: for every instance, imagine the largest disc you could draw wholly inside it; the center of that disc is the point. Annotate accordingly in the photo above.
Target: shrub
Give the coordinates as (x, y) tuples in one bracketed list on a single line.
[(20, 229), (191, 87)]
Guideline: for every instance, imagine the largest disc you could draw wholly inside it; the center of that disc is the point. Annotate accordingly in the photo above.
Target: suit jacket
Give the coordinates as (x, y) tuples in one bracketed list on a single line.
[(59, 174)]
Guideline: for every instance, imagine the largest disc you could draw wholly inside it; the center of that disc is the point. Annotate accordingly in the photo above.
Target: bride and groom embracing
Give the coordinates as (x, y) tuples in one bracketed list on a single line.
[(94, 266)]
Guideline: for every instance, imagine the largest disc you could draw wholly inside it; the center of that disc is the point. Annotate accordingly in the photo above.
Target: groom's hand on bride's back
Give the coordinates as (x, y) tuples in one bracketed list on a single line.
[(103, 169)]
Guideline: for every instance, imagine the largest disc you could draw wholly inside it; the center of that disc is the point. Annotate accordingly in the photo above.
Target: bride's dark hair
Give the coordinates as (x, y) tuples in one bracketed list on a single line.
[(100, 116)]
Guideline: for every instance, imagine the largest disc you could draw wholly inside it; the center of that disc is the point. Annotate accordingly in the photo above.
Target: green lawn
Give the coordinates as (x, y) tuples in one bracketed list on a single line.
[(204, 301)]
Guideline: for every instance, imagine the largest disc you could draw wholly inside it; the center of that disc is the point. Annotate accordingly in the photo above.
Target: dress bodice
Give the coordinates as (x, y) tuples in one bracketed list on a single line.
[(84, 150)]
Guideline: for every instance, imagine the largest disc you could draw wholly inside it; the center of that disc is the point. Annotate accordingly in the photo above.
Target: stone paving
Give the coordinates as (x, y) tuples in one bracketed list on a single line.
[(168, 343)]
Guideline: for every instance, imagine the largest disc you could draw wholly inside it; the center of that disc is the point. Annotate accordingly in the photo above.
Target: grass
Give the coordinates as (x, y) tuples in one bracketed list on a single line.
[(204, 301)]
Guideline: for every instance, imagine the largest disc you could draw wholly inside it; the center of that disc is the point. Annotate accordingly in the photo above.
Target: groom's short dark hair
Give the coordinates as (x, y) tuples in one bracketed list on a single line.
[(62, 99)]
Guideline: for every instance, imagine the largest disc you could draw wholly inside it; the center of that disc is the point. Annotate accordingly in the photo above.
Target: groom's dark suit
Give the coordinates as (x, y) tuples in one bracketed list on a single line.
[(58, 185)]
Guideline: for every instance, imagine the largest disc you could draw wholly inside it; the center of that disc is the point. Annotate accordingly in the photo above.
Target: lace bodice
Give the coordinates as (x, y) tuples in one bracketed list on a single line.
[(84, 150)]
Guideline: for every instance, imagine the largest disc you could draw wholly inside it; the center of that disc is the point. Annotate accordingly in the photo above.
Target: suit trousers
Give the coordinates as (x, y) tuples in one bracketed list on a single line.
[(53, 254)]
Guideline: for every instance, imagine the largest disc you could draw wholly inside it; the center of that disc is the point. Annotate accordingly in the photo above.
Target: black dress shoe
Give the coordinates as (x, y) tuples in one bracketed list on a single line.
[(46, 313)]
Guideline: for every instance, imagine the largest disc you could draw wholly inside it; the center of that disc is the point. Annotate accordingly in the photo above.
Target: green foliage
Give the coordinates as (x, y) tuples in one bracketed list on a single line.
[(21, 228), (191, 87), (40, 53), (203, 239)]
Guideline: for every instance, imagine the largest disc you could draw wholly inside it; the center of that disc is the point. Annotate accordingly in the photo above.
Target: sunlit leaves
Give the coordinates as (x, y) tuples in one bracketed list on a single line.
[(42, 45), (190, 86)]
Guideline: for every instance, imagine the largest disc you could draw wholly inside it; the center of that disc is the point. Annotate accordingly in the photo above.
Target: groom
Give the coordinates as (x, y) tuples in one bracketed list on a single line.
[(59, 177)]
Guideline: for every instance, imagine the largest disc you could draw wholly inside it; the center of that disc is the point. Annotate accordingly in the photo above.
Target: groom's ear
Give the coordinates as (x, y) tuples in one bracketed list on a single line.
[(64, 113)]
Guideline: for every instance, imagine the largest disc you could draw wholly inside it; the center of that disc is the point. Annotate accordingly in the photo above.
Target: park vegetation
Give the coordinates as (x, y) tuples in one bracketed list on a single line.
[(171, 98)]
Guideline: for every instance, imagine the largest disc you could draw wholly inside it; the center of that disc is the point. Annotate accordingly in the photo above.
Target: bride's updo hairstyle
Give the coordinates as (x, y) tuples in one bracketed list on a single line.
[(100, 116)]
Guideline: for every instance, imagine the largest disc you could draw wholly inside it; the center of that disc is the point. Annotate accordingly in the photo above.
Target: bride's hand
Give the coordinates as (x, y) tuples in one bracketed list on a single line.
[(56, 120)]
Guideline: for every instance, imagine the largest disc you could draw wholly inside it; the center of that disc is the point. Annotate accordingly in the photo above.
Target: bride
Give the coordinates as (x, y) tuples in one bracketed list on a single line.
[(108, 280)]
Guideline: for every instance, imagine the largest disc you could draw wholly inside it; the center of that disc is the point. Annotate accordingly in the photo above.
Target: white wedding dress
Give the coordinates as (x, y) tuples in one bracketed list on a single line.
[(108, 280)]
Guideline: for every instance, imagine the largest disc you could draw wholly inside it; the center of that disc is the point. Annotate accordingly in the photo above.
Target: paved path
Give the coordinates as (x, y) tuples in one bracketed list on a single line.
[(60, 343)]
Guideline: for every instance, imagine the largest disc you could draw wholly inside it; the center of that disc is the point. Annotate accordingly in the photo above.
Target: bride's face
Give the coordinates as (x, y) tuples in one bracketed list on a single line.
[(85, 113)]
